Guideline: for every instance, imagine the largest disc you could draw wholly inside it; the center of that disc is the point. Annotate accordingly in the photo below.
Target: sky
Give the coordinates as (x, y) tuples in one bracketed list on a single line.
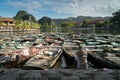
[(59, 8)]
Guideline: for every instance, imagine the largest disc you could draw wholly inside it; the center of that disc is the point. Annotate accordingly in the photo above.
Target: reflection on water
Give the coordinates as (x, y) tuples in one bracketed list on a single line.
[(80, 30), (69, 30), (64, 62), (114, 32)]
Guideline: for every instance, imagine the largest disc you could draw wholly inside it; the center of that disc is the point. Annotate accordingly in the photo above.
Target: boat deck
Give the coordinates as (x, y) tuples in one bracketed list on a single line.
[(114, 59)]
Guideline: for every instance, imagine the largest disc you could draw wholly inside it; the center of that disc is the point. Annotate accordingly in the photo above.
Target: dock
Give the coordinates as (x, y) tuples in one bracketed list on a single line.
[(59, 74)]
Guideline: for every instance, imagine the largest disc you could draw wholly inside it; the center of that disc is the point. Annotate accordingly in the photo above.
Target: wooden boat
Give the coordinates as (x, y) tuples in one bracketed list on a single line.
[(7, 59), (75, 55), (32, 51), (25, 44), (13, 43), (2, 46), (100, 60), (4, 41), (40, 40), (115, 44), (51, 39), (46, 58), (15, 58), (70, 48)]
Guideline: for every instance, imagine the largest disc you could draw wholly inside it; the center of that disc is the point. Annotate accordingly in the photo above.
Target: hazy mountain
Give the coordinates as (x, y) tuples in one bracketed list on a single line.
[(79, 19)]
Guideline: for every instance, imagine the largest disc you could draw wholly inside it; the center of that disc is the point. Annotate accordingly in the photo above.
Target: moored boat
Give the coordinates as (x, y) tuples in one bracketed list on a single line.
[(102, 60), (51, 39), (16, 57), (7, 58), (75, 54), (46, 58)]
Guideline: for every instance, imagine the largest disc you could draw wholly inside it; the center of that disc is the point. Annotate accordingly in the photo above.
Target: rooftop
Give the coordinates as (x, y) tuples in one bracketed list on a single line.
[(7, 19)]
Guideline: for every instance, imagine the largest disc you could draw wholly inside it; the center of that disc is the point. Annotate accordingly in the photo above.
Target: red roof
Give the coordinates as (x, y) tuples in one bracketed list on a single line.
[(96, 21), (7, 19), (78, 22)]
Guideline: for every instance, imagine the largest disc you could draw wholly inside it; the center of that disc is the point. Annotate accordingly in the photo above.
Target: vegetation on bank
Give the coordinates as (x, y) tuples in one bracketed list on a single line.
[(24, 20), (115, 20)]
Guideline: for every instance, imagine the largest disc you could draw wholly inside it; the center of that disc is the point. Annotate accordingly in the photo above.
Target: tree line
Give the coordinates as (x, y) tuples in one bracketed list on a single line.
[(26, 20)]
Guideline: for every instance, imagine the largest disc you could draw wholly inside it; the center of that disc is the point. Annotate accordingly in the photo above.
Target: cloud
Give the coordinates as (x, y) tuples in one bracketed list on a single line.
[(70, 7), (31, 6), (84, 7)]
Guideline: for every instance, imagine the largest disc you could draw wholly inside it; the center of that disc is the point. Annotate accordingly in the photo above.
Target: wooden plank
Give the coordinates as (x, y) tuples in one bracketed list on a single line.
[(97, 46), (94, 49), (114, 59), (62, 46), (116, 49)]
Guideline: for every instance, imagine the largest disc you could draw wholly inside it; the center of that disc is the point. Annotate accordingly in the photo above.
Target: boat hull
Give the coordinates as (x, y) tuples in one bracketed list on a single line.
[(100, 62)]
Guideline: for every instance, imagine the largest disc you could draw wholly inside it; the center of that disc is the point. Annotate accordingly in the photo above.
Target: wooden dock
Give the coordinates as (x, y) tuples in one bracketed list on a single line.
[(59, 74)]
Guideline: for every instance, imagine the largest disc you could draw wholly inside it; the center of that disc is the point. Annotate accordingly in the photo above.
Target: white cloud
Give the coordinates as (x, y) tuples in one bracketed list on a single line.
[(31, 6), (84, 7), (72, 7)]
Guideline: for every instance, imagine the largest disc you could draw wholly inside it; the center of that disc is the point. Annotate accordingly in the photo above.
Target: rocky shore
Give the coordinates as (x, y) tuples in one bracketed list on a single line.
[(59, 74)]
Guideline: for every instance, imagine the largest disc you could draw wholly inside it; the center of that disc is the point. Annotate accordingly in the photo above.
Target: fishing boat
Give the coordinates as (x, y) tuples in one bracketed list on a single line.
[(51, 38), (46, 58), (99, 55), (4, 41), (25, 44), (102, 60), (75, 55), (7, 58), (16, 57), (70, 48)]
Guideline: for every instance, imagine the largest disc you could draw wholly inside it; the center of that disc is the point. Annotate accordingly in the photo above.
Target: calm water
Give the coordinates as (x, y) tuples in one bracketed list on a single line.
[(81, 30)]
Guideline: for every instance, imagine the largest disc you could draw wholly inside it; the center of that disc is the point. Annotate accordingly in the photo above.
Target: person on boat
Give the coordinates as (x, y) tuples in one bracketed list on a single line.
[(81, 58)]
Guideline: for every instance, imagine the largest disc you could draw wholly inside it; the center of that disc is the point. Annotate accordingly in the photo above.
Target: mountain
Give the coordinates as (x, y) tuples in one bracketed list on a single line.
[(45, 20), (23, 15), (79, 19)]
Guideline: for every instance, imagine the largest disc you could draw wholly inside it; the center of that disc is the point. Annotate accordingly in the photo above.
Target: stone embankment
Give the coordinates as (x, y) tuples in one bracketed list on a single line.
[(59, 74)]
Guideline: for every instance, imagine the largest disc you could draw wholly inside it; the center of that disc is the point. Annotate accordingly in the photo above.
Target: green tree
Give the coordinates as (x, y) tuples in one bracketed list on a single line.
[(45, 20), (54, 25), (115, 20), (107, 23), (17, 24), (26, 25), (29, 17), (35, 25), (86, 23), (2, 24), (100, 24), (67, 24)]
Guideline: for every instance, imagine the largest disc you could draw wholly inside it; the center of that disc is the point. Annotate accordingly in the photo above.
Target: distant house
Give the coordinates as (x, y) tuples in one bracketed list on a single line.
[(95, 22), (78, 24), (89, 24), (6, 22)]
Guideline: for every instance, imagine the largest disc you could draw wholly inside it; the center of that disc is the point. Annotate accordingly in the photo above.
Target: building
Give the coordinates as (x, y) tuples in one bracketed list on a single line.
[(89, 24), (78, 24), (6, 22)]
